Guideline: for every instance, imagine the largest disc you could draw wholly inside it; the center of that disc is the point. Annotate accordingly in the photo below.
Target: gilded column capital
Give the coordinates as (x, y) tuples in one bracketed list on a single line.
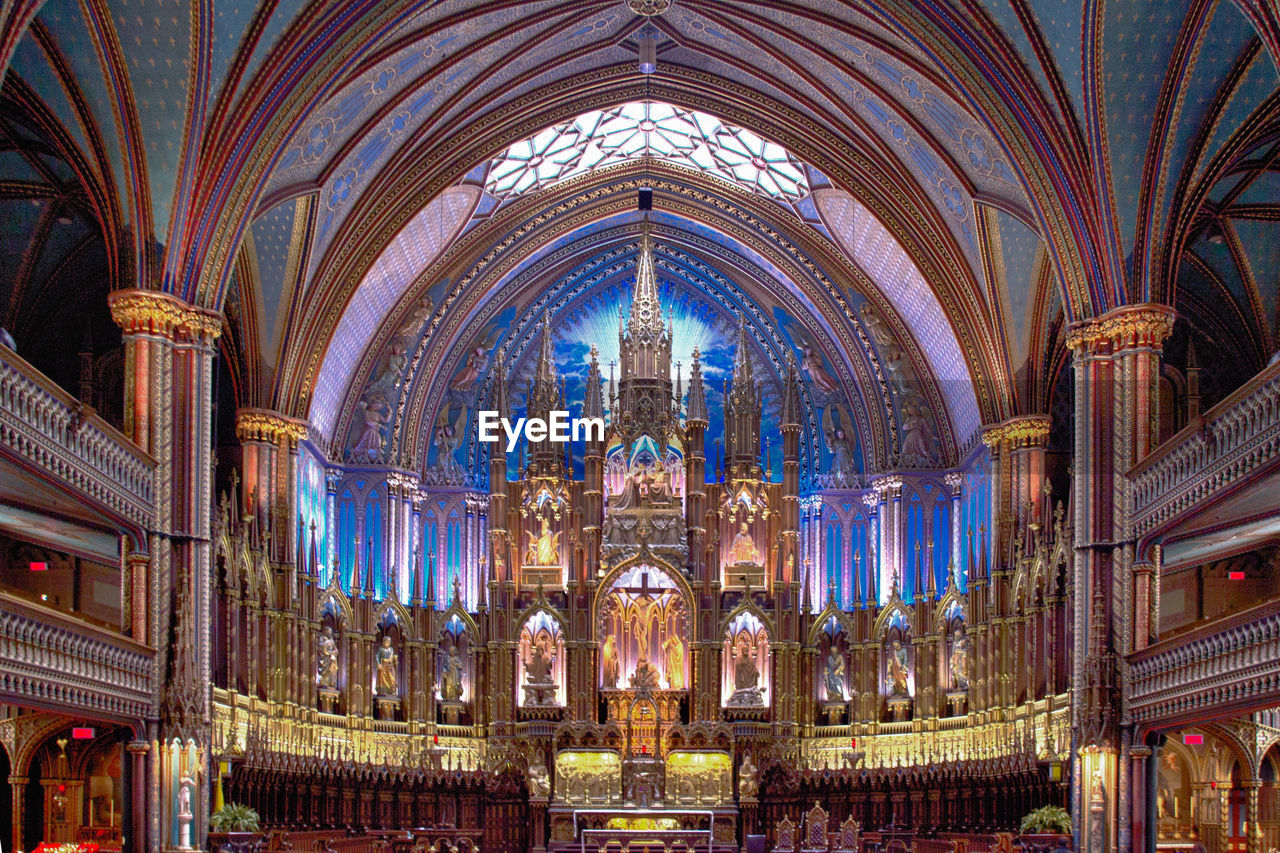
[(138, 747), (270, 427), (887, 487), (1018, 433), (150, 312), (954, 481), (1144, 325)]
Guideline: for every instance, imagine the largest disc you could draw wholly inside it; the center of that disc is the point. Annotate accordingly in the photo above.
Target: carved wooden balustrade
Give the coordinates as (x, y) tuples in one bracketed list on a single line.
[(49, 430), (58, 661), (1235, 440), (1230, 664)]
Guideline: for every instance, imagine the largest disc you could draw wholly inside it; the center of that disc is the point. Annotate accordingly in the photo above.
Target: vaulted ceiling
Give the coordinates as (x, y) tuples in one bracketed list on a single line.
[(979, 175)]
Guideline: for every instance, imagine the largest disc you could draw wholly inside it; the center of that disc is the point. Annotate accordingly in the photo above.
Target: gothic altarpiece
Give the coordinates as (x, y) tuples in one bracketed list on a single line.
[(645, 649)]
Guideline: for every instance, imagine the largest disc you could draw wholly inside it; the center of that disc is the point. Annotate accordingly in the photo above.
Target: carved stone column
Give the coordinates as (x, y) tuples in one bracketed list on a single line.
[(19, 786), (169, 347), (1117, 369), (138, 751)]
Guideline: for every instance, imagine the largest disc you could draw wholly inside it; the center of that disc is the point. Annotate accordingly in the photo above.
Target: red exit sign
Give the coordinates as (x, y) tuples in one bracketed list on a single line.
[(1235, 576), (39, 567), (1192, 740), (82, 733)]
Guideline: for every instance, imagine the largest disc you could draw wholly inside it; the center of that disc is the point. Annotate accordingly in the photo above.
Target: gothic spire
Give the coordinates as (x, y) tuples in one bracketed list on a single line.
[(697, 409), (791, 395), (498, 391), (593, 401), (742, 375), (646, 312), (546, 356)]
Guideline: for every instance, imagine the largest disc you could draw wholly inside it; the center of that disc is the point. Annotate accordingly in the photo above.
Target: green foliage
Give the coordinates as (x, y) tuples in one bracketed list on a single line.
[(234, 817), (1045, 820)]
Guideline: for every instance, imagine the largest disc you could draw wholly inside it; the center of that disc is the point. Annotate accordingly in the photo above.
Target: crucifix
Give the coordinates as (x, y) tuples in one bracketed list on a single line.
[(645, 601)]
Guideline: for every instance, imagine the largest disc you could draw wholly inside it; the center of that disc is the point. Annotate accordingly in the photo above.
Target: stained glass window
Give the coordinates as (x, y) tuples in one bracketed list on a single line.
[(647, 129)]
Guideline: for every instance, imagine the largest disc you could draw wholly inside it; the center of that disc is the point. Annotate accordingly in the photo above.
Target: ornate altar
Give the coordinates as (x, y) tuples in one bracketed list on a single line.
[(701, 778)]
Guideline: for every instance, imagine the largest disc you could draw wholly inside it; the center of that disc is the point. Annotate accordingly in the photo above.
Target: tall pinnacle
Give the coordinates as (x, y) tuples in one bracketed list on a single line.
[(593, 402), (646, 312), (546, 358), (742, 376), (697, 407)]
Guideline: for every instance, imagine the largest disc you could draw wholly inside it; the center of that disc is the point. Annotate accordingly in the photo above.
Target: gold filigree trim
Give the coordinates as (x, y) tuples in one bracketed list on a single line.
[(269, 427), (149, 312), (1029, 431), (1145, 325)]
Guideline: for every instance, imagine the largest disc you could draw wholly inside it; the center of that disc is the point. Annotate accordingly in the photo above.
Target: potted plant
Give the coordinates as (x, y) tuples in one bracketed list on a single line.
[(232, 827), (1047, 828)]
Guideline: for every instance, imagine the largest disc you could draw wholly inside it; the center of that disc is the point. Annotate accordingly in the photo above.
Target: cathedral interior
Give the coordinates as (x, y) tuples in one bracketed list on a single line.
[(887, 405)]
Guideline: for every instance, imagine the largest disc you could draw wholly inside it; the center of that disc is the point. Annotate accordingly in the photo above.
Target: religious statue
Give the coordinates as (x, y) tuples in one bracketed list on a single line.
[(544, 549), (673, 649), (897, 680), (745, 673), (326, 660), (743, 549), (646, 675), (959, 662), (184, 796), (539, 781), (610, 678), (539, 688), (659, 485), (451, 681), (387, 673), (746, 678), (833, 675), (537, 667), (748, 786)]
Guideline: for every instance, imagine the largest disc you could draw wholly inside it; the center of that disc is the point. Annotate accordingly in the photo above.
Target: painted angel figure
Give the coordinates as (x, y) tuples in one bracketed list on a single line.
[(448, 438), (840, 444), (471, 370), (917, 435), (377, 414), (811, 364)]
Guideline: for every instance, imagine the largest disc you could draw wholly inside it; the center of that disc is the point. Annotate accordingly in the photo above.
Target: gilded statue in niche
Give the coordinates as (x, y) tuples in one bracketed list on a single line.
[(833, 675), (386, 661), (746, 678), (743, 549), (898, 672), (326, 660), (451, 679), (960, 663), (673, 650), (610, 662), (544, 549)]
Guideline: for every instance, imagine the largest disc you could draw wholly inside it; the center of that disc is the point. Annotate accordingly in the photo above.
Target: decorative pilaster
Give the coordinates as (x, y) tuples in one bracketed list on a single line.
[(1117, 369), (169, 347)]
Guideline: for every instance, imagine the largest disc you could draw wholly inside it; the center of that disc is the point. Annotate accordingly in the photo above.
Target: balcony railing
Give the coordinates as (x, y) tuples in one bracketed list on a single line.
[(53, 659), (1232, 663), (1233, 441), (50, 430)]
